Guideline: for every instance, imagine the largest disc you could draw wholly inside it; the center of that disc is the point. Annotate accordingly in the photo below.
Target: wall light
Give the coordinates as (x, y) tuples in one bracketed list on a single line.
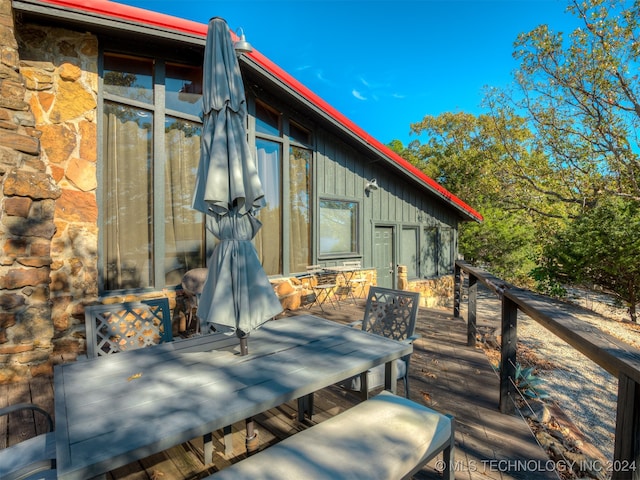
[(242, 46), (371, 185)]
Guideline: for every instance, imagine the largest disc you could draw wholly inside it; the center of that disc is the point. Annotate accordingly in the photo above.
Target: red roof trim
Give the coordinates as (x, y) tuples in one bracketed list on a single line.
[(147, 17)]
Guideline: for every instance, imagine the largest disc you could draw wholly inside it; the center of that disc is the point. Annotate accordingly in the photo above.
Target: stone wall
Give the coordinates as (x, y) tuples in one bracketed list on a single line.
[(434, 292), (48, 209), (27, 204), (60, 70)]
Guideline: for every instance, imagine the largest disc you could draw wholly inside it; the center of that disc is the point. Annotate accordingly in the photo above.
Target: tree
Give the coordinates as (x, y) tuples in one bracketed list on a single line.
[(582, 101), (600, 248), (561, 141), (467, 155)]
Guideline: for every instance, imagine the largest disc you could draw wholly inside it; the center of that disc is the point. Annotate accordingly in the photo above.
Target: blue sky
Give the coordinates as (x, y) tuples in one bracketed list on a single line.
[(385, 64)]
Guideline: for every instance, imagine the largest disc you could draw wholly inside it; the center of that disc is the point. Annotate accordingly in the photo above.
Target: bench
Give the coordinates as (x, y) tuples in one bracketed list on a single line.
[(385, 437)]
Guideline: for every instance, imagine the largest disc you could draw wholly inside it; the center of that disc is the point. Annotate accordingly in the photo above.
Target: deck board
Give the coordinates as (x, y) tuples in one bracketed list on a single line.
[(445, 374)]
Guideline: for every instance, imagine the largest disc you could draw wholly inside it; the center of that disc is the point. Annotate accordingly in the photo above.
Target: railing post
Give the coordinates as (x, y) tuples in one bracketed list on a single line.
[(457, 290), (508, 355), (471, 311), (626, 453)]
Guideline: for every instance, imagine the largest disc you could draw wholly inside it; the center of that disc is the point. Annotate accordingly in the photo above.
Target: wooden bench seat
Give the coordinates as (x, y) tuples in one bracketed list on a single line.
[(385, 437)]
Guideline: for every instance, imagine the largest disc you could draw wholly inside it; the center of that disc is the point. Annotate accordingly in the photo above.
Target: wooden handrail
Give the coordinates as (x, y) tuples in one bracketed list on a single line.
[(616, 357)]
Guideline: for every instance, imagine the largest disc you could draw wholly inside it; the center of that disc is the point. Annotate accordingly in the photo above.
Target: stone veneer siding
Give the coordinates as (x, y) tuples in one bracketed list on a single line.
[(48, 209)]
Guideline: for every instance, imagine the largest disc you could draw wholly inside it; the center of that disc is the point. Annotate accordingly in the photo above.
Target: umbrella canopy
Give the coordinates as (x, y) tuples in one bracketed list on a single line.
[(237, 293)]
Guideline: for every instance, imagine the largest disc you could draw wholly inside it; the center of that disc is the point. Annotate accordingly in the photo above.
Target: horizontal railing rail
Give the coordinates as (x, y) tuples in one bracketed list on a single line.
[(616, 357)]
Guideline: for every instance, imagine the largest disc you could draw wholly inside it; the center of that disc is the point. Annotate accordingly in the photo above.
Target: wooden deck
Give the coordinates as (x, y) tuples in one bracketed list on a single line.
[(445, 375)]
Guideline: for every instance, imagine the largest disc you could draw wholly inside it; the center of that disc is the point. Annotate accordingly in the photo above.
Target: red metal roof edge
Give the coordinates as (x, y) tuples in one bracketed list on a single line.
[(148, 17)]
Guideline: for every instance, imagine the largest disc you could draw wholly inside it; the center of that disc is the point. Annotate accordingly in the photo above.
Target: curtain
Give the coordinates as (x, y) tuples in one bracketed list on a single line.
[(268, 241), (128, 211), (183, 225), (128, 255), (299, 220)]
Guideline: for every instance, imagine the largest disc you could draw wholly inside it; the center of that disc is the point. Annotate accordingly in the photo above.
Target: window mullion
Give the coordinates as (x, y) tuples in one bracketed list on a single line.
[(159, 160)]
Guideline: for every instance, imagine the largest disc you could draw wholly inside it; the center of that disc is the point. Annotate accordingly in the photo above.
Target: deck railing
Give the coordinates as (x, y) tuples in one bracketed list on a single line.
[(619, 359)]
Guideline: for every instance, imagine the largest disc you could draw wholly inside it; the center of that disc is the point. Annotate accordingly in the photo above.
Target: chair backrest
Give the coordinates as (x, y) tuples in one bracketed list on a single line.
[(352, 264), (391, 313), (117, 327), (326, 279), (312, 269), (33, 455)]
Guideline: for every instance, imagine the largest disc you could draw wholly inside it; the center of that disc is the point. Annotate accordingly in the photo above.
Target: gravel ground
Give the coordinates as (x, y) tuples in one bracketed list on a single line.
[(584, 391)]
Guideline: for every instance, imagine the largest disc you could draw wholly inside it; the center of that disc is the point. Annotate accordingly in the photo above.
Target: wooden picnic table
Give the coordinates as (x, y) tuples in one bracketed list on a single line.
[(113, 410)]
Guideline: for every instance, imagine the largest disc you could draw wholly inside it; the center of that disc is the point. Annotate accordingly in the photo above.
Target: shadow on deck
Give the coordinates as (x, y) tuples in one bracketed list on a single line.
[(445, 375)]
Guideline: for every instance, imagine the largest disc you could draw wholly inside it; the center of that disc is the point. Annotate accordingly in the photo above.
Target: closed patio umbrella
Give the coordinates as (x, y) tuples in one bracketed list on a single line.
[(237, 293)]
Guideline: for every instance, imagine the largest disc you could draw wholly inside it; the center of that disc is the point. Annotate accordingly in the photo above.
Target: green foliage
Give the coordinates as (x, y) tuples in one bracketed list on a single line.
[(529, 384), (553, 151), (581, 95), (602, 248), (547, 281), (505, 242), (482, 163)]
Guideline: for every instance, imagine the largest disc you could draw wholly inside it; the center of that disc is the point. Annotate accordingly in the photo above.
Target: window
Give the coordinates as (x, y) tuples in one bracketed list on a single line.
[(284, 241), (299, 208), (268, 241), (338, 227), (267, 120), (437, 251), (150, 235), (430, 252), (409, 254), (446, 251)]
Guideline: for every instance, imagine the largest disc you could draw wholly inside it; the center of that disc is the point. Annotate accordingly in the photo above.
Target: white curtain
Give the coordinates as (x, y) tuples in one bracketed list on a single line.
[(128, 260), (183, 227), (127, 208)]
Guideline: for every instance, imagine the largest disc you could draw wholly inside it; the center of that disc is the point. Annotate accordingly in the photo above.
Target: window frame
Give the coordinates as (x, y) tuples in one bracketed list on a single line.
[(355, 229), (286, 142), (415, 230), (161, 113)]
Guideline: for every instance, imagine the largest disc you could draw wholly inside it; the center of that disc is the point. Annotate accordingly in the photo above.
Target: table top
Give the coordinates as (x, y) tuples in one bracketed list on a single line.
[(115, 409)]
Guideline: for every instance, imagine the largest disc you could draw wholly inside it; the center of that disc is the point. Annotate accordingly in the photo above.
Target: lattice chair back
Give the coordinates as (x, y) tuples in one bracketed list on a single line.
[(126, 326), (391, 313)]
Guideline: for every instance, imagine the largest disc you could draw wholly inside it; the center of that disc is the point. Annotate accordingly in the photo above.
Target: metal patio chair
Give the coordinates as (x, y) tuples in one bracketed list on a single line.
[(324, 289), (392, 314), (36, 455), (357, 281)]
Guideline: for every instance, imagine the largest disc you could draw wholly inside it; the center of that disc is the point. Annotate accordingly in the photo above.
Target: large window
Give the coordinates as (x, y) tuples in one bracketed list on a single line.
[(284, 241), (338, 227), (268, 241), (151, 129), (299, 209)]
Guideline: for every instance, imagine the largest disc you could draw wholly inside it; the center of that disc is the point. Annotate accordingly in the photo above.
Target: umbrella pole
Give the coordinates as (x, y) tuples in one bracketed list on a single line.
[(251, 439), (244, 344)]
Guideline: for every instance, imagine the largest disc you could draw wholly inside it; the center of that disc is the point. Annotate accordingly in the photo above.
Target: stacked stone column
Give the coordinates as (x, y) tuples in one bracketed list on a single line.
[(48, 209)]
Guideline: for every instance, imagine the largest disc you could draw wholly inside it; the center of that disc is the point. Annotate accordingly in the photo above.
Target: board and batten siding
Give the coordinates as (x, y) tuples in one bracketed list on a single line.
[(341, 172)]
